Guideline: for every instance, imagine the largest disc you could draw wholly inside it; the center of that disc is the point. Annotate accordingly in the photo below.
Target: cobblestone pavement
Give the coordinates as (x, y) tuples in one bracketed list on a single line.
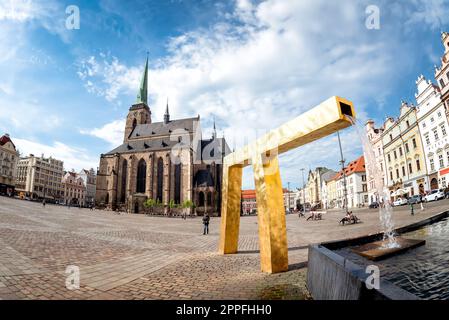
[(140, 257)]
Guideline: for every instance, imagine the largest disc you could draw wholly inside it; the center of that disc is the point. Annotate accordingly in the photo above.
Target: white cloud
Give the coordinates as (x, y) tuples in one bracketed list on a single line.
[(111, 132), (108, 77), (26, 116), (434, 13), (74, 158)]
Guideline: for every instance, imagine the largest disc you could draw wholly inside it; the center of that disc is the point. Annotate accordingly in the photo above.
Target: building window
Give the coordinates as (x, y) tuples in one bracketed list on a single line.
[(432, 165), (443, 129), (432, 120), (435, 133), (178, 183), (441, 83), (397, 173), (406, 148), (124, 176), (439, 114), (414, 143), (403, 171), (410, 168), (407, 123), (381, 167), (201, 199), (395, 154), (364, 188), (363, 177), (427, 138), (440, 159), (389, 157), (391, 175), (160, 179), (423, 124), (400, 151)]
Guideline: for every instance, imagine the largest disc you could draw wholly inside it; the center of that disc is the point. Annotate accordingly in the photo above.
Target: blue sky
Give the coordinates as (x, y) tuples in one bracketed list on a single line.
[(251, 64)]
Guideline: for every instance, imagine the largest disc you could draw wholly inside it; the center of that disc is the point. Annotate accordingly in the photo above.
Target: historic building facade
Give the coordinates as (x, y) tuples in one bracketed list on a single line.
[(442, 72), (356, 185), (316, 184), (404, 154), (9, 158), (434, 129), (375, 138), (40, 178), (166, 161), (331, 192), (74, 189), (90, 183), (249, 204)]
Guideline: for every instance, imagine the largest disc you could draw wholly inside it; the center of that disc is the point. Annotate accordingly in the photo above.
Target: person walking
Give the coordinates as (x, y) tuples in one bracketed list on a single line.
[(43, 203), (206, 220)]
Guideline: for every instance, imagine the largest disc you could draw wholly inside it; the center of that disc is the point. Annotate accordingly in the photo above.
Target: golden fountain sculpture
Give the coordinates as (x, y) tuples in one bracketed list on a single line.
[(328, 117)]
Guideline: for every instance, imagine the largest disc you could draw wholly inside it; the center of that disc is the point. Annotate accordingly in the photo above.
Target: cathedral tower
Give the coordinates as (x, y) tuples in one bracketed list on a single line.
[(139, 113)]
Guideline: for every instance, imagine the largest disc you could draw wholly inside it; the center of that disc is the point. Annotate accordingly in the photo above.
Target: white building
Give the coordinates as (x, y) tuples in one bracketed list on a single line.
[(375, 138), (434, 128), (90, 182), (8, 165), (289, 200), (40, 177), (356, 185), (74, 189), (442, 72)]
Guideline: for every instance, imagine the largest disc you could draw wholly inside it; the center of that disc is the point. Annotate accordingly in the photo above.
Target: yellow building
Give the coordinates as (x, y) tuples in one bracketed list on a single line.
[(404, 156)]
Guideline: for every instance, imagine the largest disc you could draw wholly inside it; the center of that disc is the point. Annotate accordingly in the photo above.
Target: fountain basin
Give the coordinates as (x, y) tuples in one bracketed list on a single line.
[(337, 272), (379, 249)]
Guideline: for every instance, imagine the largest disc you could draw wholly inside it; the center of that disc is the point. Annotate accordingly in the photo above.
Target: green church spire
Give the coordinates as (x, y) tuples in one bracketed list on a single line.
[(142, 96)]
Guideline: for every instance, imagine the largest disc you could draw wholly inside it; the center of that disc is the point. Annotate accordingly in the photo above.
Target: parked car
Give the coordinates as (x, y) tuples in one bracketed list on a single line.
[(435, 194), (400, 202), (374, 205), (415, 199), (446, 193)]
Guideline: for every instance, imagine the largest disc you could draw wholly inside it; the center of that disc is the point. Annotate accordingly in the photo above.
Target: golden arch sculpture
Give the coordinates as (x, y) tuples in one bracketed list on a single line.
[(326, 118)]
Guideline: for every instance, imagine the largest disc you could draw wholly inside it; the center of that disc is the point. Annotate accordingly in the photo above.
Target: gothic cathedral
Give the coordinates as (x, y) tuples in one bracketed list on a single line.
[(167, 161)]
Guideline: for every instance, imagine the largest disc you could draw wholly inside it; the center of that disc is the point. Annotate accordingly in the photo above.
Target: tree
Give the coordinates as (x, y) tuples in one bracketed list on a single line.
[(187, 205), (171, 205), (150, 204)]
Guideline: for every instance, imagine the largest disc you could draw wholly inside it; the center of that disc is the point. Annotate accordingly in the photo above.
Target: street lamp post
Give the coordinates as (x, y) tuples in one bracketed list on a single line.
[(288, 199), (303, 192), (342, 161)]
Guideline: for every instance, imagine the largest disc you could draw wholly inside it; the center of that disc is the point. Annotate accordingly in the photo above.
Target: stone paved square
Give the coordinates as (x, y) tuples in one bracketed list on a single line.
[(133, 256)]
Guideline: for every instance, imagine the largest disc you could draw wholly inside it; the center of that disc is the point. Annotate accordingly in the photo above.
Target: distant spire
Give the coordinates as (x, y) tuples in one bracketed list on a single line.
[(214, 134), (167, 114), (142, 96)]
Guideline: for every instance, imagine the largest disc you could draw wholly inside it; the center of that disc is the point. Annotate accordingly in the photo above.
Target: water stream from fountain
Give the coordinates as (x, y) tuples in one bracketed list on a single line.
[(374, 173)]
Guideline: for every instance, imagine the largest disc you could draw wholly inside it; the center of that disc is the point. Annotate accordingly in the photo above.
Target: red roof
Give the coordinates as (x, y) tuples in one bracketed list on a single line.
[(5, 139), (357, 165), (251, 194), (248, 194)]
